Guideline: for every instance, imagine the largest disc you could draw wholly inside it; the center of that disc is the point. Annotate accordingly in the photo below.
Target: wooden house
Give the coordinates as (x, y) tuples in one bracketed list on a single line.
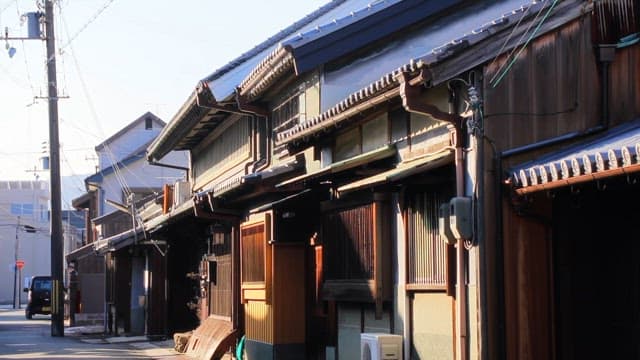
[(563, 117), (322, 159)]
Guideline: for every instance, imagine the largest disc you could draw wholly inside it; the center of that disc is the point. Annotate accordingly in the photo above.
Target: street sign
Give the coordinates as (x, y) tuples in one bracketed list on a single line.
[(20, 264)]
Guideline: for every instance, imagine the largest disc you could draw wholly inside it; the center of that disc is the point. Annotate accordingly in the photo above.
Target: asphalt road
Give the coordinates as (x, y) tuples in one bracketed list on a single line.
[(31, 339)]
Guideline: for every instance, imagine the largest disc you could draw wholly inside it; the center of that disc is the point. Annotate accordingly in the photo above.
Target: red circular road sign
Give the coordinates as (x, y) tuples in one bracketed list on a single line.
[(20, 264)]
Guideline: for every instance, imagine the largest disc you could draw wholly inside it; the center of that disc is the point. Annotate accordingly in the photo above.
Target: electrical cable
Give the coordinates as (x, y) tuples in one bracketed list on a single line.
[(524, 14), (82, 28), (515, 47), (94, 114), (535, 31)]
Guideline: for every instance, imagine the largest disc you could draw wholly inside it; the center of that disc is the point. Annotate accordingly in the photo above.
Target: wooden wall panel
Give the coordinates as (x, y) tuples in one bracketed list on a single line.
[(288, 293), (625, 85), (528, 288), (259, 321), (221, 289), (552, 89), (157, 319)]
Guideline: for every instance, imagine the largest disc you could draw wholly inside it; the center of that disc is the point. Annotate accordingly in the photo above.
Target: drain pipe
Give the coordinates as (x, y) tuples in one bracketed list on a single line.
[(263, 138), (205, 100), (410, 92)]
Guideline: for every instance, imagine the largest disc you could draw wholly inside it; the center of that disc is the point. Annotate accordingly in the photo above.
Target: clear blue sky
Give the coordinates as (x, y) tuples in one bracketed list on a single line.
[(133, 56)]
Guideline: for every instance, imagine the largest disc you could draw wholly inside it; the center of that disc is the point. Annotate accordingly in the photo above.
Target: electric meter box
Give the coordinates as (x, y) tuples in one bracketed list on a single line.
[(460, 217), (444, 227)]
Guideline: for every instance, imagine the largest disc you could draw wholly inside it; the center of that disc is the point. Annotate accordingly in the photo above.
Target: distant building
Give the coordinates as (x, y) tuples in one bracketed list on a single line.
[(24, 234), (124, 178)]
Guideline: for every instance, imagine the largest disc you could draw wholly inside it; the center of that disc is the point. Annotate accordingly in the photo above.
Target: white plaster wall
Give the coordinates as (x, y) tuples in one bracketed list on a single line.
[(140, 174), (349, 325), (127, 144)]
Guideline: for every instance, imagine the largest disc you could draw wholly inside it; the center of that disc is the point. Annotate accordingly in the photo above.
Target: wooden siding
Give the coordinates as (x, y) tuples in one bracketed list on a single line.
[(528, 288), (229, 149), (284, 321), (347, 236), (288, 293), (258, 321), (157, 307), (220, 299), (624, 87), (253, 246), (427, 252), (551, 90)]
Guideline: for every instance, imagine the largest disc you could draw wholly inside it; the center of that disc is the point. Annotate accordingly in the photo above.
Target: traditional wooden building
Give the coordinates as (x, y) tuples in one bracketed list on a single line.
[(324, 163), (563, 116)]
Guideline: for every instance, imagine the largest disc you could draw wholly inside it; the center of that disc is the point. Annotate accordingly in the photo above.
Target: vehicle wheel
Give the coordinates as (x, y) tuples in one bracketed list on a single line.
[(28, 315)]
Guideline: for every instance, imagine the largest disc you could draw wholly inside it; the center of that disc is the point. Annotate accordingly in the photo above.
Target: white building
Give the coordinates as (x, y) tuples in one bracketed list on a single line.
[(24, 235)]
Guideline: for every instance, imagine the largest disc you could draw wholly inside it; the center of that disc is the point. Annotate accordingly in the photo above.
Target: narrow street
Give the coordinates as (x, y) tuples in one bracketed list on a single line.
[(31, 339)]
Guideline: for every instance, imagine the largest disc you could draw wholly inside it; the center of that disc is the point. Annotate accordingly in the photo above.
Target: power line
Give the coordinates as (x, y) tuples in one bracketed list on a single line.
[(535, 31), (515, 48), (91, 20)]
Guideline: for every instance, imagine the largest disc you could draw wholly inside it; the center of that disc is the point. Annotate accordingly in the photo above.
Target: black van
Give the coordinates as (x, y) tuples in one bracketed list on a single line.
[(39, 296)]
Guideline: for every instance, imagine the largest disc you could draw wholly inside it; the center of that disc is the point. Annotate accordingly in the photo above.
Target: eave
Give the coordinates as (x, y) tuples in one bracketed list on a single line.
[(441, 64), (197, 117)]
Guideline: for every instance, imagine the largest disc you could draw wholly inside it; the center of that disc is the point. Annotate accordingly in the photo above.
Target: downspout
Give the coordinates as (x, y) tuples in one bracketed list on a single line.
[(410, 92), (263, 139), (211, 104)]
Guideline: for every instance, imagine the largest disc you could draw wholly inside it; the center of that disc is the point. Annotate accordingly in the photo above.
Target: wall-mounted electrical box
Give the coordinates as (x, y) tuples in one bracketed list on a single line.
[(460, 217), (444, 227)]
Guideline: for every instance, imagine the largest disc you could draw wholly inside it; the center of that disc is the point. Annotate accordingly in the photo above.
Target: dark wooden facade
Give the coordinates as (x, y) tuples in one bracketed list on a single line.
[(545, 253)]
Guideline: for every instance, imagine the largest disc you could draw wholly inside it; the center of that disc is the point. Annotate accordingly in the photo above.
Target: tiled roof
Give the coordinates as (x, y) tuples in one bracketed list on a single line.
[(389, 80), (273, 40), (277, 63), (335, 24), (352, 28), (386, 82), (616, 152)]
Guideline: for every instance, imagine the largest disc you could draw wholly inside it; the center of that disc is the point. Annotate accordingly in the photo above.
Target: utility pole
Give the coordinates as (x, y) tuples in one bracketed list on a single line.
[(16, 249), (57, 294)]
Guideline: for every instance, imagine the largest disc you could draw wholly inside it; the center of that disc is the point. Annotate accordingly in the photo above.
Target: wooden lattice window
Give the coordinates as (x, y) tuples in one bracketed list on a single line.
[(427, 265), (253, 254), (288, 112), (255, 259), (348, 243), (356, 240)]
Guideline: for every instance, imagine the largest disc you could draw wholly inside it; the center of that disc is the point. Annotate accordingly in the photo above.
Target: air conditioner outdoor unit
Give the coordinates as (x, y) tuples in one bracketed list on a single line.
[(181, 192), (379, 346)]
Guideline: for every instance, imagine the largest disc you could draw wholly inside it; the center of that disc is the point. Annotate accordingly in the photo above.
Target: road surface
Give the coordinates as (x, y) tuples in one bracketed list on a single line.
[(31, 339)]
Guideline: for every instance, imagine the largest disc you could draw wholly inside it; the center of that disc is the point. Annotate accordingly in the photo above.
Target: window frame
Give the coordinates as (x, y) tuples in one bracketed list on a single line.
[(359, 130), (257, 290), (437, 246), (379, 287)]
